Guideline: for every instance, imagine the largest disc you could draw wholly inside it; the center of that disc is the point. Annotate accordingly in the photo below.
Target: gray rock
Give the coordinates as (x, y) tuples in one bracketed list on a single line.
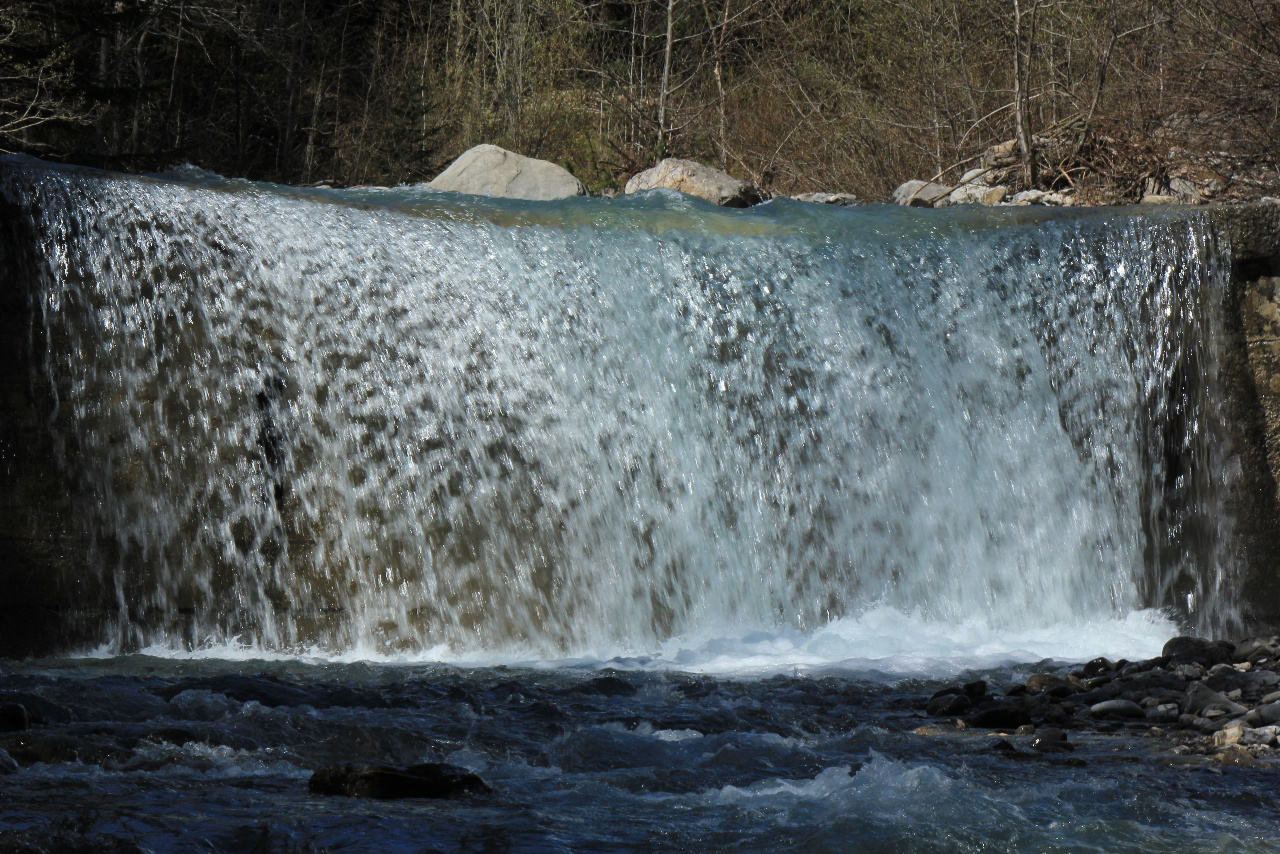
[(977, 176), (1117, 709), (1189, 672), (1268, 714), (976, 194), (1255, 649), (694, 179), (1209, 726), (1029, 197), (1165, 713), (1159, 199), (488, 170), (1200, 697), (385, 782), (1004, 154), (1273, 697), (839, 199), (1253, 229), (919, 194)]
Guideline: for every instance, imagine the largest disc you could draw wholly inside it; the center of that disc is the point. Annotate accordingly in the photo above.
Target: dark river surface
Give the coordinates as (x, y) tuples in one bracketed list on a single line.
[(214, 755)]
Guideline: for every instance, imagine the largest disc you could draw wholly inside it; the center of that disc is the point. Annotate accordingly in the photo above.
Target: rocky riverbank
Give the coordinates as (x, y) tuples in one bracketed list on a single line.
[(1214, 699)]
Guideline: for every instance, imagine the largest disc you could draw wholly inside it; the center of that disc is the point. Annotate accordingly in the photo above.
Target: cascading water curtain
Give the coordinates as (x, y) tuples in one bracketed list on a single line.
[(400, 420)]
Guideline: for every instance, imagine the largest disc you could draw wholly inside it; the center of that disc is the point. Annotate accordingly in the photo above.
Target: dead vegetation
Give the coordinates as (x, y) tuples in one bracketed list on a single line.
[(1109, 98)]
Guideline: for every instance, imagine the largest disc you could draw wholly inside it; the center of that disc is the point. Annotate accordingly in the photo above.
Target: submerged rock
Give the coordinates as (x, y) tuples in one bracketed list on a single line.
[(14, 717), (386, 782), (49, 748), (488, 170), (694, 179), (1002, 716), (1051, 740)]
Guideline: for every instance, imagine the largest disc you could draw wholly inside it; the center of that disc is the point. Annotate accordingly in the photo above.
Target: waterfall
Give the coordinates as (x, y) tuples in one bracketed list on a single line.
[(401, 419)]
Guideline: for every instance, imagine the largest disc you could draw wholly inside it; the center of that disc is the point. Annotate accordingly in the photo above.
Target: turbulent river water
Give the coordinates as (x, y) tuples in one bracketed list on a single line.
[(662, 517)]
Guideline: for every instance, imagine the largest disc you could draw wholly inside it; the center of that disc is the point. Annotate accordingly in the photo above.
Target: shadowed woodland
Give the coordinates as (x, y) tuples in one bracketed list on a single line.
[(1103, 96)]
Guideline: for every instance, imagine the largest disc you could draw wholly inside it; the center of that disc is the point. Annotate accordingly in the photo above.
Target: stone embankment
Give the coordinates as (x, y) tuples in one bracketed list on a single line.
[(1215, 699)]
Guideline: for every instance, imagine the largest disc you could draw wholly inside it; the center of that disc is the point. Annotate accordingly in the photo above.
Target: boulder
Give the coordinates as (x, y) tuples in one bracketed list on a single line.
[(386, 782), (1200, 697), (694, 179), (977, 194), (1004, 154), (920, 194), (1165, 713), (1029, 197), (839, 199), (488, 170), (1184, 650)]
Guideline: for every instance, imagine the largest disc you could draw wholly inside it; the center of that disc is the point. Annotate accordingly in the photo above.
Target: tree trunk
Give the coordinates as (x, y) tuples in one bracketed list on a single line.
[(1021, 80), (666, 80)]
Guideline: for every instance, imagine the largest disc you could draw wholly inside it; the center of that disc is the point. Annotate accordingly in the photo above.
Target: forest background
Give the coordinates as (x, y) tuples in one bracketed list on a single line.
[(1103, 96)]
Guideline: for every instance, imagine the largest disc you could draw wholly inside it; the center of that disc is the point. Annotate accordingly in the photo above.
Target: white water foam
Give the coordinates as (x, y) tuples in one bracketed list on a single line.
[(882, 640)]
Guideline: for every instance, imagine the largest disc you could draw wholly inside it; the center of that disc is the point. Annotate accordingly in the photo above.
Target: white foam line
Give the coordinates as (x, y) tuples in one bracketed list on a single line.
[(882, 640)]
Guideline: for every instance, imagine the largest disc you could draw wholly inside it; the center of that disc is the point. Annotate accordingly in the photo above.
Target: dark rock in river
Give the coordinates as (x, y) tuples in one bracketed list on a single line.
[(1051, 740), (1097, 667), (976, 690), (273, 693), (950, 705), (609, 686), (1003, 716), (30, 748), (1039, 682), (14, 717), (385, 782), (1183, 650)]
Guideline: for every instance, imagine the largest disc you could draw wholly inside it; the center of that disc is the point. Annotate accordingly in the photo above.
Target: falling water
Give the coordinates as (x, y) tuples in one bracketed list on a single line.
[(400, 420)]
